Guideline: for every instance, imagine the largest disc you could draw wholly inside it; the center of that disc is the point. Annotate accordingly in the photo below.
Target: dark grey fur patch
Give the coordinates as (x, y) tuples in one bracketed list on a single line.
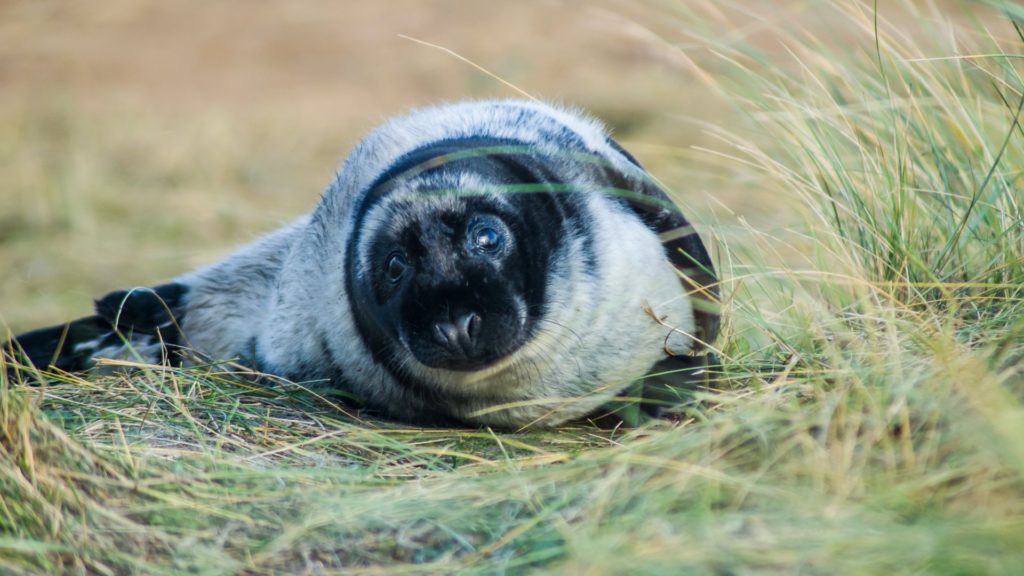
[(683, 246)]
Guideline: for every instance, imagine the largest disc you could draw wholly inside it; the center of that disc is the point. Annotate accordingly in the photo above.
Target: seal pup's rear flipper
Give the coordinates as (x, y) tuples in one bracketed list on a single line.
[(136, 324)]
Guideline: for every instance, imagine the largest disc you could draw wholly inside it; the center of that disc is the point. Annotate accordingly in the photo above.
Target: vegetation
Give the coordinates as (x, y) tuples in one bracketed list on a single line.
[(868, 417)]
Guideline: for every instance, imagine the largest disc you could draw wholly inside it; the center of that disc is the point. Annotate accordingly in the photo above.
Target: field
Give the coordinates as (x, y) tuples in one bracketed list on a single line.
[(857, 173)]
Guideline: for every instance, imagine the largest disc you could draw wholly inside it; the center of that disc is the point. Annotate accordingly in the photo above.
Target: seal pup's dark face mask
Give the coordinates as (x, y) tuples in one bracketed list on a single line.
[(446, 271), (449, 286)]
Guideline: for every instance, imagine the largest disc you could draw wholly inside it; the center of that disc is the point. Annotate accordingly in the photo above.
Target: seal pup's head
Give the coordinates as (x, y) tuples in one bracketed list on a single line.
[(449, 269)]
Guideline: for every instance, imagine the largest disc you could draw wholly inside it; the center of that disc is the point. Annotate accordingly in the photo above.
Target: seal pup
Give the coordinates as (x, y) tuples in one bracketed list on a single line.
[(500, 263)]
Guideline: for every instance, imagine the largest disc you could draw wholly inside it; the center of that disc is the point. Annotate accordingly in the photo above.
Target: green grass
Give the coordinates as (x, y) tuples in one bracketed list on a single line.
[(869, 417)]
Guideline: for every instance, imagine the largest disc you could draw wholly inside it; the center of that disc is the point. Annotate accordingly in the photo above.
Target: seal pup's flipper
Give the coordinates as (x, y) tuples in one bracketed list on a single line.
[(669, 388), (137, 324)]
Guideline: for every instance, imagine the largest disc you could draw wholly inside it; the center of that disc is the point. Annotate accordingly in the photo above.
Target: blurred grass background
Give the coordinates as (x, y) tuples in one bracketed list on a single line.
[(857, 173), (141, 139)]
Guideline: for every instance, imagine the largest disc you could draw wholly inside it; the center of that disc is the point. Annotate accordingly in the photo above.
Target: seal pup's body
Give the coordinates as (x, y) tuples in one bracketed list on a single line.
[(497, 263)]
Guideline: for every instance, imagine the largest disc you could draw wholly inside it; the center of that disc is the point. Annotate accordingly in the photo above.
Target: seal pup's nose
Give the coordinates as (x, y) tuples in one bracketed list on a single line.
[(459, 335)]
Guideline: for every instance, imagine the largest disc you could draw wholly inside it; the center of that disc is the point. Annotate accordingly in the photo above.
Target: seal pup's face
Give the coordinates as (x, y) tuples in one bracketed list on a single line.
[(448, 282), (446, 272)]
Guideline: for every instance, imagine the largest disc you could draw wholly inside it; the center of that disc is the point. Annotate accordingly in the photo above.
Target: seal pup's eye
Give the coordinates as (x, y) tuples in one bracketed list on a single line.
[(395, 266), (486, 237)]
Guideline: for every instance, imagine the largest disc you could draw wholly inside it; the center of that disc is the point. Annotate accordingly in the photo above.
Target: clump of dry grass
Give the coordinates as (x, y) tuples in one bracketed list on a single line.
[(868, 420)]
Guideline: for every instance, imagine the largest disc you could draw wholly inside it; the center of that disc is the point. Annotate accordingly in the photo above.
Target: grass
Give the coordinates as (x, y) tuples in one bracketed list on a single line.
[(869, 415)]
